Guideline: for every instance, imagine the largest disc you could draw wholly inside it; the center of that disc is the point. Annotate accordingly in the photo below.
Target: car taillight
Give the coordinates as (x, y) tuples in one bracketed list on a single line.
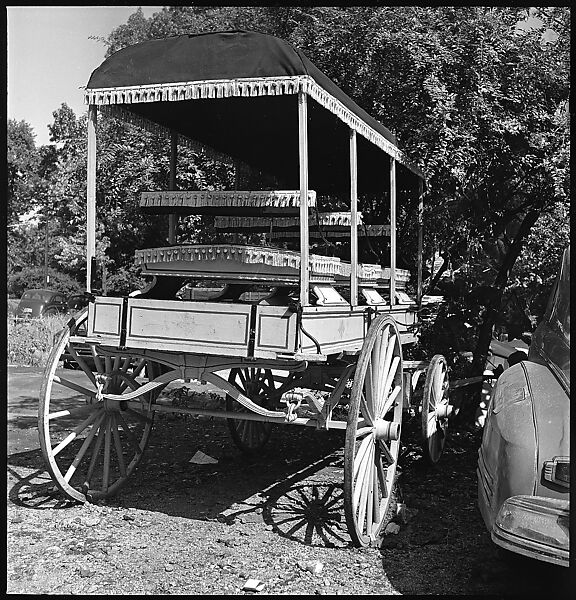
[(557, 471)]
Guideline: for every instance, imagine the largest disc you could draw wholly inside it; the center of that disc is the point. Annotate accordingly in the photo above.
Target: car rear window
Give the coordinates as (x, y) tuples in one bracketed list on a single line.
[(37, 295)]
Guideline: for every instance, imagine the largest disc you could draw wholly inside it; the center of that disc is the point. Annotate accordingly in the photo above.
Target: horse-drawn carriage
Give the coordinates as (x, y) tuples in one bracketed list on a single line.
[(297, 332)]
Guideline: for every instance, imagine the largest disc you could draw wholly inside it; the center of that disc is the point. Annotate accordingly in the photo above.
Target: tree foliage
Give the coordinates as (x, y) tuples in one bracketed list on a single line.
[(477, 96)]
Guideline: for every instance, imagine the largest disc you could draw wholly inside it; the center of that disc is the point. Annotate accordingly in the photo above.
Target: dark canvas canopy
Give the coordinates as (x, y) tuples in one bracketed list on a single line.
[(236, 92)]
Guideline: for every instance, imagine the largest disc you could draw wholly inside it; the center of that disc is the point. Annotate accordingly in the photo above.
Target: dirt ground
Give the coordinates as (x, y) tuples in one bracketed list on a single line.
[(183, 528)]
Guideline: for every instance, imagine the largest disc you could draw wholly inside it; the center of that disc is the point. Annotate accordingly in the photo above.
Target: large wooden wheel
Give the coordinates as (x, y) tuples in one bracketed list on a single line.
[(373, 432), (435, 409), (264, 387), (92, 444)]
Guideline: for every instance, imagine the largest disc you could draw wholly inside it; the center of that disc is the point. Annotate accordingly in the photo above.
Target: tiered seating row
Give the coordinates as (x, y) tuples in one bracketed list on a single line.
[(257, 263)]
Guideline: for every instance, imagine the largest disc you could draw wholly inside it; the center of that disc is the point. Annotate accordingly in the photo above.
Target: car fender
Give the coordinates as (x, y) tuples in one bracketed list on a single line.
[(507, 461), (551, 405)]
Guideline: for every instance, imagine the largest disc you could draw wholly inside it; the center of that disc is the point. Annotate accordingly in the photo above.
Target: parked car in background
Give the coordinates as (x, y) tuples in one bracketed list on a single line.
[(524, 459), (77, 302), (41, 303)]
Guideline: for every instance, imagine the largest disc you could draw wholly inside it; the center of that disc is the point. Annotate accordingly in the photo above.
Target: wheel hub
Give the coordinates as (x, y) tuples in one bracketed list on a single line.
[(108, 384), (443, 410), (386, 430)]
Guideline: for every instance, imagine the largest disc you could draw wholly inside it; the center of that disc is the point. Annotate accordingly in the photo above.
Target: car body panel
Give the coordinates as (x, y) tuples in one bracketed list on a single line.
[(507, 458), (38, 302), (528, 425)]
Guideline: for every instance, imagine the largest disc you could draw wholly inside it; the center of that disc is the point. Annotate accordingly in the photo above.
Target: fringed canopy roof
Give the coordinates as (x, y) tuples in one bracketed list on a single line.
[(235, 92)]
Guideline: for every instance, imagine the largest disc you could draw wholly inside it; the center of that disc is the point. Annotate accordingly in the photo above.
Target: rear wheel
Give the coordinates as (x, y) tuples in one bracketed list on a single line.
[(264, 387), (373, 433), (435, 409)]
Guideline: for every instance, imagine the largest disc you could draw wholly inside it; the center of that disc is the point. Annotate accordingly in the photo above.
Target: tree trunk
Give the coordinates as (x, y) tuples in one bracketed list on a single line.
[(494, 304), (436, 277)]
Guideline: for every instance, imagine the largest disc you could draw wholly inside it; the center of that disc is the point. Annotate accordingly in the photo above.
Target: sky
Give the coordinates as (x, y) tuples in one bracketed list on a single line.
[(50, 57)]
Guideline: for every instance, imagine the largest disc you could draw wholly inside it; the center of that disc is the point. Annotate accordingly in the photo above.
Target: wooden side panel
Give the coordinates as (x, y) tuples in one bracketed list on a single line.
[(335, 330), (275, 329), (199, 327), (104, 318), (405, 316)]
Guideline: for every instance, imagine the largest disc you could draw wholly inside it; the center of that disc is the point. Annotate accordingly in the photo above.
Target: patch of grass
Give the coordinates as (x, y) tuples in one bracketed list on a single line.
[(30, 341), (12, 305)]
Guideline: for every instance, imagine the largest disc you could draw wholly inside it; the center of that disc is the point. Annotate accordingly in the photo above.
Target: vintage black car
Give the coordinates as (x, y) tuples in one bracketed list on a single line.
[(41, 303)]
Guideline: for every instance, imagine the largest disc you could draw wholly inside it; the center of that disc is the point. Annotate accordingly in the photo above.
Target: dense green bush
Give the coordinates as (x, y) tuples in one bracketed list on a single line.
[(30, 341), (33, 277)]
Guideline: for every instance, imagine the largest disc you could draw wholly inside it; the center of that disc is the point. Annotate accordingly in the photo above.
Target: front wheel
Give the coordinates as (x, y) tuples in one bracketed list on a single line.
[(373, 432), (92, 444)]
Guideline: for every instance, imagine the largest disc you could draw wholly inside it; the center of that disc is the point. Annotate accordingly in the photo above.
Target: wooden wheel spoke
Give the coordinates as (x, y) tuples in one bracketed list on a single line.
[(118, 446), (87, 442), (360, 475), (365, 410), (376, 516), (74, 434), (116, 363), (72, 412), (240, 374), (362, 449), (74, 386), (97, 360), (386, 451), (373, 373), (365, 484), (107, 449), (390, 401), (439, 384), (363, 431), (81, 363), (383, 369), (94, 458), (131, 437), (390, 376), (382, 474)]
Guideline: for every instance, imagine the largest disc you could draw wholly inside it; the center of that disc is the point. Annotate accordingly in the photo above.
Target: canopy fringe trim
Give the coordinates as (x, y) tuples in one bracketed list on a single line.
[(327, 219), (220, 198)]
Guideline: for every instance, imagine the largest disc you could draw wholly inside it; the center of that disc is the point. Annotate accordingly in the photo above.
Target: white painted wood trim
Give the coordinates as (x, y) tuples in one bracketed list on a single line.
[(91, 195), (303, 161)]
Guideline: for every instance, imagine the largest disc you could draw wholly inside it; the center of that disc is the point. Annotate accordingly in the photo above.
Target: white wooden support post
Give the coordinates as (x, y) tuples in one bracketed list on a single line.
[(91, 196), (173, 218), (420, 238), (353, 216), (303, 156), (392, 231)]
